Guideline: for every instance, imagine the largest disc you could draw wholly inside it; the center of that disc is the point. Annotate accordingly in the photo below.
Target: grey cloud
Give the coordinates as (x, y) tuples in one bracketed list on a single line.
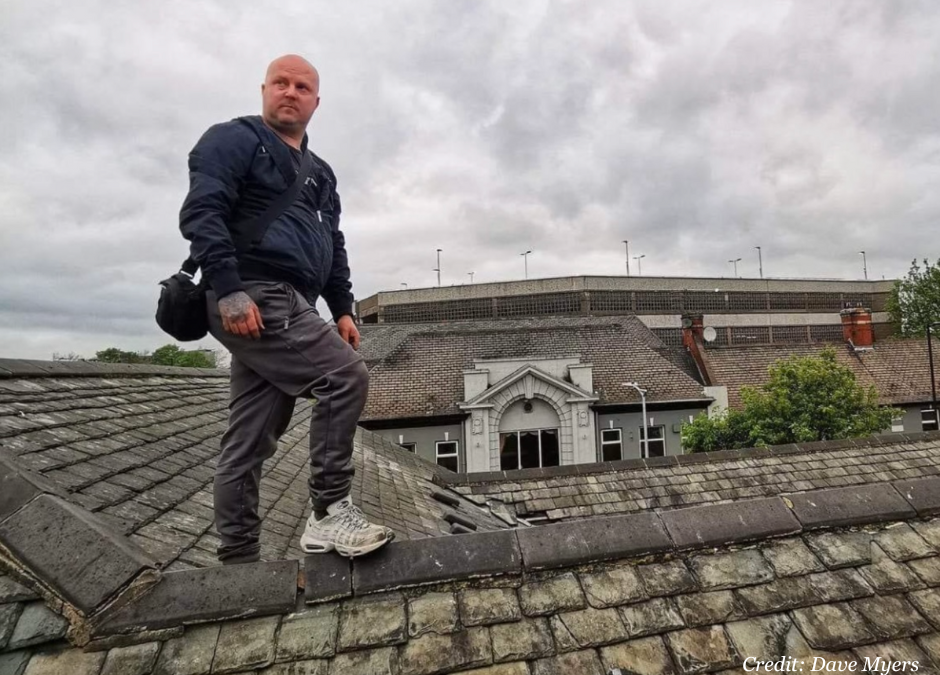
[(696, 130)]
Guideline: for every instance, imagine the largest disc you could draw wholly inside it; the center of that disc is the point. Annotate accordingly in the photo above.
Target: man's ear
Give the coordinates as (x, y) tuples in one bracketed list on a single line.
[(262, 88)]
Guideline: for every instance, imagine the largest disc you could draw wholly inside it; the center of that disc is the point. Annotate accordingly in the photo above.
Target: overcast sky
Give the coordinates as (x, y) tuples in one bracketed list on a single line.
[(697, 130)]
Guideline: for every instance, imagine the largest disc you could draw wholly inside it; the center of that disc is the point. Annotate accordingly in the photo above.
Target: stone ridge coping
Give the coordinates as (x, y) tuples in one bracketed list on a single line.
[(76, 561), (267, 588), (598, 539), (16, 368), (447, 478)]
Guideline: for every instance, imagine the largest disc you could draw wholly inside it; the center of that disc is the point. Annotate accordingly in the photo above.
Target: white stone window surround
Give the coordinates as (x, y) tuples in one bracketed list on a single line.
[(488, 404)]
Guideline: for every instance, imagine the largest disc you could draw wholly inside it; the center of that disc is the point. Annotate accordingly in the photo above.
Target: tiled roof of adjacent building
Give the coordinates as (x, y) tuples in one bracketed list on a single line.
[(840, 559), (898, 368), (417, 369)]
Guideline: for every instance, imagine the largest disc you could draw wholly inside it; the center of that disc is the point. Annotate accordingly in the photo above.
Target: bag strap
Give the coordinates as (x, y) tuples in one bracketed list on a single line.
[(250, 232)]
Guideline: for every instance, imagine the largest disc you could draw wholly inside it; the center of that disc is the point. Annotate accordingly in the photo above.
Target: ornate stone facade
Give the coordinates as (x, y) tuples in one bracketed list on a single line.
[(547, 380)]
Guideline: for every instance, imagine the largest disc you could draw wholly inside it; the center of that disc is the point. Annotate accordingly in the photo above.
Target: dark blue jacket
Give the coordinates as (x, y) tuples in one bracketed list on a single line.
[(235, 170)]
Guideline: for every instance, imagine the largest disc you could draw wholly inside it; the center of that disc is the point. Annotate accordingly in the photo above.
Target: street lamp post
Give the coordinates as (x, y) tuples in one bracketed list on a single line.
[(933, 382), (639, 265), (525, 258), (626, 243), (864, 264), (404, 285), (760, 261), (735, 263), (644, 439), (438, 268), (471, 276)]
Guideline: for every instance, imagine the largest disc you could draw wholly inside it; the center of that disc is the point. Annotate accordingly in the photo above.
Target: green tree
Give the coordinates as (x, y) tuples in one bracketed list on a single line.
[(810, 398), (71, 356), (172, 355), (914, 301), (115, 355), (196, 359), (166, 355)]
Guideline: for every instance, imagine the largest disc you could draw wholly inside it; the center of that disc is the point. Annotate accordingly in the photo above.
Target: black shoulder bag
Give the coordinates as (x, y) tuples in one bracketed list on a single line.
[(181, 309)]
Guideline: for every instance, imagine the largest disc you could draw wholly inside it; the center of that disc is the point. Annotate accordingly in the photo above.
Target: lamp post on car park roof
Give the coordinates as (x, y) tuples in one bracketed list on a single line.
[(639, 264), (644, 440)]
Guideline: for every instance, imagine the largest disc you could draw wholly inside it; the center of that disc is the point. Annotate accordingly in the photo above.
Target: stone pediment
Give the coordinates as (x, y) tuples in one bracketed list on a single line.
[(530, 376)]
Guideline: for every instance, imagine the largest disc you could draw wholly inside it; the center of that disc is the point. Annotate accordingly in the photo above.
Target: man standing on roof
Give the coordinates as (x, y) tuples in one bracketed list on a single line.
[(261, 305)]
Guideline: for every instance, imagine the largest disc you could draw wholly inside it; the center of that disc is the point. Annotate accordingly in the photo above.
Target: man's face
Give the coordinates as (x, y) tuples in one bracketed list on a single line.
[(290, 94)]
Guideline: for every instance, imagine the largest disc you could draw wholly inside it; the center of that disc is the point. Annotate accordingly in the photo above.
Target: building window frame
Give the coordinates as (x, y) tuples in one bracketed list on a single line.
[(518, 434), (448, 456), (606, 444), (928, 419), (657, 441)]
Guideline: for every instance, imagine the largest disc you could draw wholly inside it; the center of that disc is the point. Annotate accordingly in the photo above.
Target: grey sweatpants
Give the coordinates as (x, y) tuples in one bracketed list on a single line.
[(298, 355)]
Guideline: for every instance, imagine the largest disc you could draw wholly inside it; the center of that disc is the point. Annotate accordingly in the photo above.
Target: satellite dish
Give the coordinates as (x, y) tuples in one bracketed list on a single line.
[(686, 322), (709, 334)]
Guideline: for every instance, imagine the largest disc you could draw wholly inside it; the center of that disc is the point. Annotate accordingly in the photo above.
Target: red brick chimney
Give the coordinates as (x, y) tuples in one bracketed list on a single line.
[(693, 327), (856, 327)]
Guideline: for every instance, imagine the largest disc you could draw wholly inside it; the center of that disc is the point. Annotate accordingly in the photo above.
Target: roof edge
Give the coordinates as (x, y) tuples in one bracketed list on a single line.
[(30, 368), (519, 552)]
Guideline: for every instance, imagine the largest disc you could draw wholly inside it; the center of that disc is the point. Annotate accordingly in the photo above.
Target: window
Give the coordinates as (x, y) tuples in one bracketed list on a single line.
[(897, 424), (656, 445), (410, 447), (928, 419), (528, 449), (611, 445), (447, 454)]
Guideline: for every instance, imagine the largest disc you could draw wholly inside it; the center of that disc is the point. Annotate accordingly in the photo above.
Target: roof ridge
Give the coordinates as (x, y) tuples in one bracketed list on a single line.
[(31, 368)]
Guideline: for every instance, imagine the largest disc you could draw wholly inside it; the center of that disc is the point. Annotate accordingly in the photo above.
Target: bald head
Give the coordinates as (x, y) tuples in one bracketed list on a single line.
[(293, 62), (289, 96)]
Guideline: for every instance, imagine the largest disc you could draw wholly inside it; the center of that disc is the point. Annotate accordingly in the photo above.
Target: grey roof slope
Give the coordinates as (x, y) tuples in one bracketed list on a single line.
[(416, 370), (661, 483), (139, 445)]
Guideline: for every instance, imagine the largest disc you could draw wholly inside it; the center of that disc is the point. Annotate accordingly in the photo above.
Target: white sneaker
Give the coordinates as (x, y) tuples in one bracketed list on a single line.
[(345, 530)]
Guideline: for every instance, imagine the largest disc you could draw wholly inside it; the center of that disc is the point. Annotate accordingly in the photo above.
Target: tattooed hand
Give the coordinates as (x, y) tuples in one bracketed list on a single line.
[(348, 331), (240, 315)]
